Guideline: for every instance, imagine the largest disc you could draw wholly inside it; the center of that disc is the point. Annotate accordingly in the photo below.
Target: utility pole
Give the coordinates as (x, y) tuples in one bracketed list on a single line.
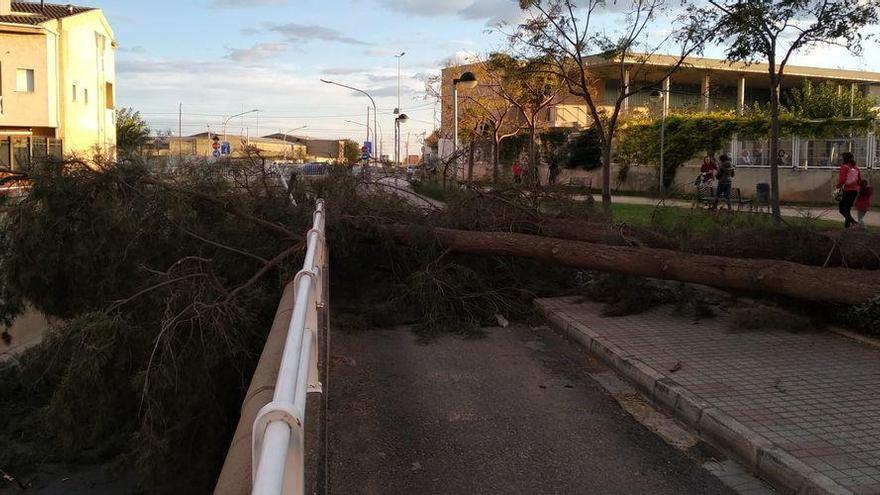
[(179, 132)]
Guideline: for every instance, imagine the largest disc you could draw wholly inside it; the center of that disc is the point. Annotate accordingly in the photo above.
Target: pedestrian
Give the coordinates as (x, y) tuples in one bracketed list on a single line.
[(708, 169), (517, 173), (849, 184), (863, 202), (725, 180)]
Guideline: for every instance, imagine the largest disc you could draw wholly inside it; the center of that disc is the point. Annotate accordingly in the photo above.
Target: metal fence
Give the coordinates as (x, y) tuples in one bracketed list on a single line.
[(804, 153), (279, 429)]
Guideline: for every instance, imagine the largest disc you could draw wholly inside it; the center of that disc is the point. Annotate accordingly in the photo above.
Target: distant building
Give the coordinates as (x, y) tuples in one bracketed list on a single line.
[(202, 146), (57, 81), (413, 159), (317, 150), (699, 85)]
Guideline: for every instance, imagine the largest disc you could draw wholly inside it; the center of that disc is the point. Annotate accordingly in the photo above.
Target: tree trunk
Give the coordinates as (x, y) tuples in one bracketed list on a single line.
[(496, 161), (831, 285), (533, 165), (774, 146), (470, 172), (606, 177)]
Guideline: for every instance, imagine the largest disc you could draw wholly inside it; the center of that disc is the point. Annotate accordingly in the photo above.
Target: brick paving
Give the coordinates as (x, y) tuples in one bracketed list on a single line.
[(815, 395)]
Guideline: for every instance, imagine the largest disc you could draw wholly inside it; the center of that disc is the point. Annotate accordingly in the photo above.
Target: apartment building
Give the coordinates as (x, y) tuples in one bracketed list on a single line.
[(57, 81)]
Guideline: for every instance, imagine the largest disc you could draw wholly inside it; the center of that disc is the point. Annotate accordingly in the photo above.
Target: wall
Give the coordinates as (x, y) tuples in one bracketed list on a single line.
[(83, 63), (25, 51)]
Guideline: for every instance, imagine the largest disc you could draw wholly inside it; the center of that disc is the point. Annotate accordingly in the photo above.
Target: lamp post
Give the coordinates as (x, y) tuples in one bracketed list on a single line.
[(398, 110), (658, 96), (401, 119), (467, 81), (375, 111), (234, 116)]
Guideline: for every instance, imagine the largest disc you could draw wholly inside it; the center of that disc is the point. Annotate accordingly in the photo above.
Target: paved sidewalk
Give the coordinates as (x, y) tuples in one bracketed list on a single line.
[(804, 406), (827, 213)]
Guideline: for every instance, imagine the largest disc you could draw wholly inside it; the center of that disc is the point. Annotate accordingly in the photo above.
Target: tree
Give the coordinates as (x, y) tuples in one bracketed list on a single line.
[(530, 87), (774, 30), (826, 101), (499, 115), (351, 151), (562, 33), (132, 132)]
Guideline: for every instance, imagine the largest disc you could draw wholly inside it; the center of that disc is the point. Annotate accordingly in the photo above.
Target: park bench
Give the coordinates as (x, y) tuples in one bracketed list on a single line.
[(705, 195), (736, 197), (580, 182)]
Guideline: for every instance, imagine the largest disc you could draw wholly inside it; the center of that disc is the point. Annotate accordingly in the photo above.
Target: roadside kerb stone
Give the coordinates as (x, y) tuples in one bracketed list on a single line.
[(763, 457)]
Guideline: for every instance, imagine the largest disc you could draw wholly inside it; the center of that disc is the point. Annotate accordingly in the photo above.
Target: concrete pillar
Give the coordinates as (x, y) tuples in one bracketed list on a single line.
[(741, 96), (704, 91), (625, 83), (852, 99), (667, 94)]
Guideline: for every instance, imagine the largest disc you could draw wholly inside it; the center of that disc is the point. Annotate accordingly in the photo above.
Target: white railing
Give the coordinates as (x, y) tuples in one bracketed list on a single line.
[(278, 434)]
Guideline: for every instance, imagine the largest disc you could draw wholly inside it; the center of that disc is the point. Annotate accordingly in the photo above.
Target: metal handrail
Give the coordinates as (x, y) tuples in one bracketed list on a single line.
[(278, 431)]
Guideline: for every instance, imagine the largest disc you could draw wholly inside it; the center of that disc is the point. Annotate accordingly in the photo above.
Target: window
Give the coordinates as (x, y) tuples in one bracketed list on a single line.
[(86, 96), (24, 80), (108, 95), (74, 93)]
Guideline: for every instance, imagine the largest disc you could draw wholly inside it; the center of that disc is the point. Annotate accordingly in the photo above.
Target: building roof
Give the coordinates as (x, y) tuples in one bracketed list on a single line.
[(713, 64), (304, 139), (32, 13)]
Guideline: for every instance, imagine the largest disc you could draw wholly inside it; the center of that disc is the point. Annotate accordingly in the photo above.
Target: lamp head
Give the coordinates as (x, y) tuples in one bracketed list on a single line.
[(402, 118), (467, 80), (656, 95)]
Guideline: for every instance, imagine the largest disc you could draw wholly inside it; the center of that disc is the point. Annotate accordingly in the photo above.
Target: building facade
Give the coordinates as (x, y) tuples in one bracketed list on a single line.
[(57, 82), (202, 146), (703, 84), (317, 150)]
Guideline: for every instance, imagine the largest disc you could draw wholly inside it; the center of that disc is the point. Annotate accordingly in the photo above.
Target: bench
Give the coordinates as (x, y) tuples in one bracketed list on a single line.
[(737, 197), (705, 196), (585, 182)]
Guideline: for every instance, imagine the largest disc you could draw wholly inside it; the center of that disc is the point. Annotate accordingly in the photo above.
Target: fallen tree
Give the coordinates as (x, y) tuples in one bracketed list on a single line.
[(831, 285), (803, 246)]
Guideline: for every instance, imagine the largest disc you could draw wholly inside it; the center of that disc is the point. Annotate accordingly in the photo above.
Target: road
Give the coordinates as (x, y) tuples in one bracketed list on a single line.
[(514, 412)]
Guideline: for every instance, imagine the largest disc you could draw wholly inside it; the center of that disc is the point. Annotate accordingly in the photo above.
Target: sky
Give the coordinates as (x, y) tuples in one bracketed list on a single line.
[(222, 57)]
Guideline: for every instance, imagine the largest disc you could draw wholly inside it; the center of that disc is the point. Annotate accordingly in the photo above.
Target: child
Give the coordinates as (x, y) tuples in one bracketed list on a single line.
[(863, 202)]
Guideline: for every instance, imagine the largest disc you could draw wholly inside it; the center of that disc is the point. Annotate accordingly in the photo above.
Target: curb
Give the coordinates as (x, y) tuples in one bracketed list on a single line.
[(761, 456)]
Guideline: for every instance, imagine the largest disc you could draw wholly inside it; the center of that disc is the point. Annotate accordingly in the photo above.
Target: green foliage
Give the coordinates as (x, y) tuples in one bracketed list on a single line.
[(865, 317), (827, 101), (155, 356), (688, 135), (585, 150), (352, 152), (132, 132), (513, 147)]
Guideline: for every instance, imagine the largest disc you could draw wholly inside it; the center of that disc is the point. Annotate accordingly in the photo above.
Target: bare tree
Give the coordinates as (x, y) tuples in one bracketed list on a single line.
[(563, 34)]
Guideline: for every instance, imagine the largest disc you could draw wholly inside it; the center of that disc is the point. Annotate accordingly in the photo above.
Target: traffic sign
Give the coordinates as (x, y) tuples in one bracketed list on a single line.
[(215, 146), (365, 156), (216, 153), (225, 148), (367, 148)]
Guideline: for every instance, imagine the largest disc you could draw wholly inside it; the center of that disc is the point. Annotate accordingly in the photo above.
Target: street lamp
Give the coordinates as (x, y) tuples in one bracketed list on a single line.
[(375, 111), (658, 96), (467, 81), (234, 116), (398, 57), (401, 119)]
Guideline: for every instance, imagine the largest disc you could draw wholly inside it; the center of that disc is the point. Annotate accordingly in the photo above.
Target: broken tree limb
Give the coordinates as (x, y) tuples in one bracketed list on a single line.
[(834, 285)]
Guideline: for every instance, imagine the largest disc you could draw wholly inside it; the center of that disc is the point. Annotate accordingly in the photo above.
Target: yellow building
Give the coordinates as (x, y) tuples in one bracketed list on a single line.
[(202, 146), (57, 81)]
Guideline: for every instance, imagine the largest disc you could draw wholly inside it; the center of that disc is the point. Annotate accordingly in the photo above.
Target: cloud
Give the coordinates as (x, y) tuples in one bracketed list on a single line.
[(492, 11), (303, 33), (247, 3), (342, 71), (459, 58), (390, 90), (138, 49), (256, 53)]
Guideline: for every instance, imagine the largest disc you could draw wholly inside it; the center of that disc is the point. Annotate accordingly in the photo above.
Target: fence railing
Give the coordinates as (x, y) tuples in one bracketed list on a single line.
[(278, 448)]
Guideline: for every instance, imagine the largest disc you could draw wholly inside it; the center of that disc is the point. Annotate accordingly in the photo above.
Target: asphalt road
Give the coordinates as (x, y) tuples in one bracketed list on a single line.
[(515, 412)]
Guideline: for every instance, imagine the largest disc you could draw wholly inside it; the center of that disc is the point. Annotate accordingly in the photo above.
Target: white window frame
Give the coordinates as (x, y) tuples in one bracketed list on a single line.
[(29, 80)]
